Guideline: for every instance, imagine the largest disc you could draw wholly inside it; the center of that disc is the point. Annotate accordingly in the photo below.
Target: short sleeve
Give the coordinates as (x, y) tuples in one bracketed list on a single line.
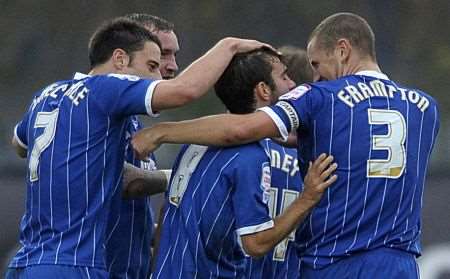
[(125, 95), (251, 196), (20, 133)]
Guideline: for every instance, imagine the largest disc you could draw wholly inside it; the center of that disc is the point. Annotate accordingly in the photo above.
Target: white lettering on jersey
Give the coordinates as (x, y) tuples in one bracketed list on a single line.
[(286, 163), (352, 95)]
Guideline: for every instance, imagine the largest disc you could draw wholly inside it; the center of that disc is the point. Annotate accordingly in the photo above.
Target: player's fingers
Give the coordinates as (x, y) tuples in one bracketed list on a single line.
[(319, 160), (264, 45), (328, 182), (325, 163), (331, 168)]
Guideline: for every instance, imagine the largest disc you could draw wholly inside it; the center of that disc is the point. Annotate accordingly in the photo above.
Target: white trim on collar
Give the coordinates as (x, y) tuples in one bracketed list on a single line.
[(79, 75), (374, 74)]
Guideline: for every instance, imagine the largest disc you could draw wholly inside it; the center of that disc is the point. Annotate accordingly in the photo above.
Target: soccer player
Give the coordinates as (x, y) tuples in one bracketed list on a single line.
[(381, 134), (283, 260), (298, 67), (218, 198), (165, 31), (74, 136), (130, 225)]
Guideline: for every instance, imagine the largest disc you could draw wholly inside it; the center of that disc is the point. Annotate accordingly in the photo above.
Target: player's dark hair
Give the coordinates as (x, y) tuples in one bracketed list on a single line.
[(349, 26), (298, 67), (120, 33), (235, 87), (152, 22)]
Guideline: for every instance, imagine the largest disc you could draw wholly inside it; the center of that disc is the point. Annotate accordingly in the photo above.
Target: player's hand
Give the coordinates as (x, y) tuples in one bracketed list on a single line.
[(144, 142), (319, 177), (244, 45)]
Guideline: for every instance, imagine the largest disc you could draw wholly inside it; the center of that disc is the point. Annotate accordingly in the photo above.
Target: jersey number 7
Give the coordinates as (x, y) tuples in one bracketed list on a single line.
[(46, 120)]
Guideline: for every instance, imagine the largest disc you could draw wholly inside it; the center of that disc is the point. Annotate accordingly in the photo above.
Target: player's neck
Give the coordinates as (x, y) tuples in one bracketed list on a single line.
[(362, 65), (102, 69)]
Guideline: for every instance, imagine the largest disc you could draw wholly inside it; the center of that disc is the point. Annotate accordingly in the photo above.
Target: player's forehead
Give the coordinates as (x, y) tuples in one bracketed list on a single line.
[(169, 41), (278, 67), (150, 51)]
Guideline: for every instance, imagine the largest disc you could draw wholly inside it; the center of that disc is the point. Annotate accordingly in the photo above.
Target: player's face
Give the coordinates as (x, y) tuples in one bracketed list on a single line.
[(169, 50), (325, 64), (145, 62), (282, 81)]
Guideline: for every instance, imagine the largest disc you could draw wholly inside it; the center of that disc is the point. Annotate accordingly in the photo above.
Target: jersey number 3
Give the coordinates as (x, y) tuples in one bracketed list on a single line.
[(393, 142), (46, 120)]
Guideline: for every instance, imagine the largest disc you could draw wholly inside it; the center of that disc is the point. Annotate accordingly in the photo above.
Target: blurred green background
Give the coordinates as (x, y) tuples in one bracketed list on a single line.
[(43, 41)]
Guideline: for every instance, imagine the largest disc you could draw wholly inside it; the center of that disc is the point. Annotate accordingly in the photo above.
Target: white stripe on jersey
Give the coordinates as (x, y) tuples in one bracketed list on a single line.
[(348, 183), (218, 215), (78, 242), (130, 244), (93, 246), (57, 249), (67, 163), (143, 233), (417, 169), (325, 225), (221, 245), (51, 189), (87, 272), (367, 187), (104, 160), (196, 256), (182, 257), (86, 152)]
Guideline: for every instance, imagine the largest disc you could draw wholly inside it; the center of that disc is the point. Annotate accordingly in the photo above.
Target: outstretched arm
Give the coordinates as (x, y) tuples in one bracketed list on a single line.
[(317, 180), (219, 130), (201, 75)]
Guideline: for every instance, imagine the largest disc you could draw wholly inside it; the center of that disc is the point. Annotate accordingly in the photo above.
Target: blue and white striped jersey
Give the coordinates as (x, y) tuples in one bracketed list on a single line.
[(130, 226), (74, 132), (215, 196), (286, 183), (381, 135)]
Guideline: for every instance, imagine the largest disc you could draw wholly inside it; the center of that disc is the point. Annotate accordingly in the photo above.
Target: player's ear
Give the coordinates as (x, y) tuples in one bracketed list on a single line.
[(343, 50), (262, 91), (120, 58)]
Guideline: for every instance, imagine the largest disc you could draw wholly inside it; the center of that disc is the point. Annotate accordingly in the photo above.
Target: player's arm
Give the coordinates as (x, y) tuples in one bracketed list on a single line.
[(219, 130), (20, 150), (317, 180), (201, 75), (18, 139), (140, 183)]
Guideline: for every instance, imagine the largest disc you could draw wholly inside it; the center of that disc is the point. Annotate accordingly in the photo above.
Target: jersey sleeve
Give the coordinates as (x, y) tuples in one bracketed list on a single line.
[(21, 128), (125, 95), (251, 196), (20, 133), (295, 109)]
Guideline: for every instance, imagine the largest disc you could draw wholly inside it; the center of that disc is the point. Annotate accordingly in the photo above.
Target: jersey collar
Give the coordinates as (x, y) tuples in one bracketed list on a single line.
[(372, 74), (79, 75)]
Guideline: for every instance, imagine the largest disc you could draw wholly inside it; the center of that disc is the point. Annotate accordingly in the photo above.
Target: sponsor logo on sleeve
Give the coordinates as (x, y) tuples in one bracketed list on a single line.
[(296, 93), (266, 182)]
